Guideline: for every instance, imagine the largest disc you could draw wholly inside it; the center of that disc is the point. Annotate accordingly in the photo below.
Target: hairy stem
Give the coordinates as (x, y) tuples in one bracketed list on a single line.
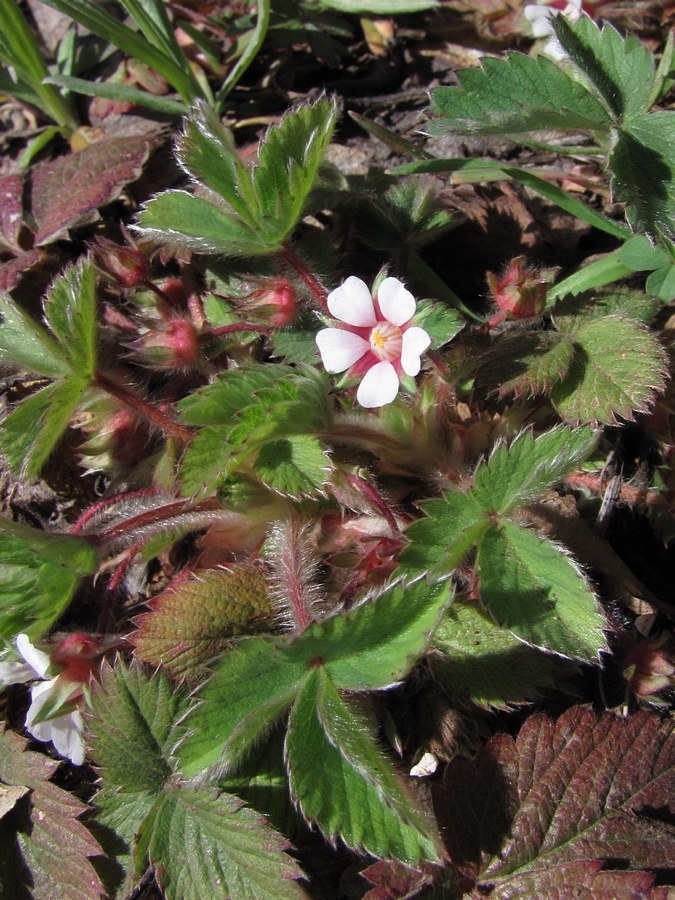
[(147, 410), (311, 282)]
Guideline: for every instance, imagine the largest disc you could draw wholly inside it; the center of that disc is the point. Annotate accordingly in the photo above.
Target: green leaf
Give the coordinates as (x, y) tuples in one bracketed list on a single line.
[(341, 782), (29, 434), (661, 283), (643, 172), (600, 272), (70, 312), (529, 466), (544, 362), (375, 645), (220, 402), (519, 94), (205, 462), (249, 691), (571, 313), (439, 321), (120, 92), (533, 588), (440, 540), (289, 157), (201, 841), (182, 220), (194, 621), (640, 254), (484, 662), (24, 343), (621, 69), (296, 466), (38, 576), (617, 369), (45, 849)]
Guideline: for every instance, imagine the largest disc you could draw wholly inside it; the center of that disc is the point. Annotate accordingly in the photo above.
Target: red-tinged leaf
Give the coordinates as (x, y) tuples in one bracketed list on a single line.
[(563, 804), (43, 842), (67, 192), (392, 880), (12, 269), (11, 210), (193, 621)]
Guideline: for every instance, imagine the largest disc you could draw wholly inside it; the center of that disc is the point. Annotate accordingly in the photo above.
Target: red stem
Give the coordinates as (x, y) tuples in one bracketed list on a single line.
[(89, 514), (151, 516), (311, 282), (360, 484), (147, 410), (237, 326), (629, 494)]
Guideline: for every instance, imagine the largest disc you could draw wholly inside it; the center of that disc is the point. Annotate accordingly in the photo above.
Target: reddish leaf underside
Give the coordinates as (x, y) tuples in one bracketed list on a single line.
[(569, 802)]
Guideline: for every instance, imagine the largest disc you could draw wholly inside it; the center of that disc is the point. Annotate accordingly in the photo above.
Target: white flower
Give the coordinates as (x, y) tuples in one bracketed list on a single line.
[(376, 339), (63, 730), (540, 16)]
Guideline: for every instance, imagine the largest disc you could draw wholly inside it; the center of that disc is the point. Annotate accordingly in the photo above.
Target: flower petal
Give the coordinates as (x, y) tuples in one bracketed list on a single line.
[(352, 303), (340, 349), (397, 304), (35, 658), (539, 17), (67, 736), (415, 342), (379, 386), (15, 673), (40, 694)]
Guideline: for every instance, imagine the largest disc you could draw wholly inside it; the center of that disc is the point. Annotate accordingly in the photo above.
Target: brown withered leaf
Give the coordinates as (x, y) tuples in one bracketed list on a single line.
[(580, 801), (67, 192), (11, 211)]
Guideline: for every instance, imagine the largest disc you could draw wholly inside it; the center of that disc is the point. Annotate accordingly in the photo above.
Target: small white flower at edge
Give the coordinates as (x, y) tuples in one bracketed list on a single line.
[(376, 339), (64, 730), (539, 15)]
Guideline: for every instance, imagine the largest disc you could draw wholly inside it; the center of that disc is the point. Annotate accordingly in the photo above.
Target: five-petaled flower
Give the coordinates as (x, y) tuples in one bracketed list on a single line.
[(376, 339)]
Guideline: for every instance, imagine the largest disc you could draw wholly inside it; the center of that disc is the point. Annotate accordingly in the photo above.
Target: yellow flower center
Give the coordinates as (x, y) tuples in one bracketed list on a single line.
[(386, 341)]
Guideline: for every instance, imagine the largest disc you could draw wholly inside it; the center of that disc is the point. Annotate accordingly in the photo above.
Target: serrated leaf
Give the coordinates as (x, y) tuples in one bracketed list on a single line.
[(547, 363), (519, 94), (565, 804), (376, 644), (44, 832), (529, 466), (219, 402), (205, 462), (438, 542), (570, 313), (70, 312), (30, 433), (296, 466), (531, 587), (618, 368), (439, 321), (38, 576), (201, 841), (250, 689), (485, 663), (183, 220), (643, 172), (297, 344), (24, 343), (620, 68), (350, 791), (194, 621), (289, 157)]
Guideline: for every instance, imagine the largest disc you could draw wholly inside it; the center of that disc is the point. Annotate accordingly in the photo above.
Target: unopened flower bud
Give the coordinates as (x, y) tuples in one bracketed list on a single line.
[(276, 302), (175, 345), (127, 265), (520, 292), (78, 656)]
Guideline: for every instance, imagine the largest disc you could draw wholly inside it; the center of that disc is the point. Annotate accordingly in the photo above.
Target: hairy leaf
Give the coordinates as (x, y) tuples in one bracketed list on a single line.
[(439, 321), (201, 841), (374, 645), (621, 69), (26, 344), (518, 94), (487, 664), (296, 466), (349, 789), (529, 466), (572, 312), (193, 622), (577, 801), (618, 368), (532, 588), (46, 849), (220, 402), (546, 363), (70, 312), (38, 576)]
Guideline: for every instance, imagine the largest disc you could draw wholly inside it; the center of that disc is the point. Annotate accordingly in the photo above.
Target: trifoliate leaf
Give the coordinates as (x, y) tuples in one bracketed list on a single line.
[(643, 172), (529, 466), (533, 588), (621, 69), (485, 663), (519, 94), (38, 576), (30, 433), (617, 370), (376, 644), (201, 841), (194, 621), (343, 784), (26, 344), (46, 850), (640, 254), (438, 542), (580, 801), (296, 466), (70, 312), (251, 688)]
